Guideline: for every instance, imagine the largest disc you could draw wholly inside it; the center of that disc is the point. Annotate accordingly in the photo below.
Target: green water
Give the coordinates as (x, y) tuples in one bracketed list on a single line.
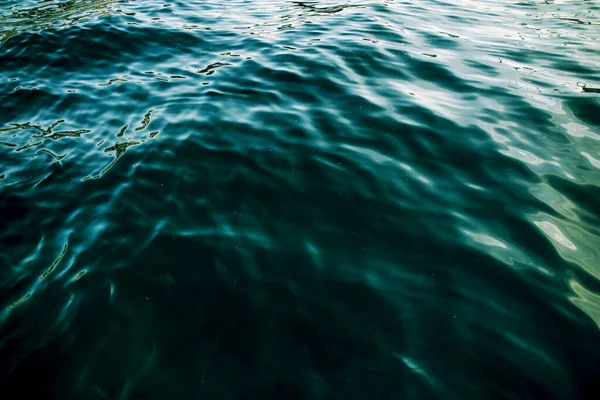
[(287, 200)]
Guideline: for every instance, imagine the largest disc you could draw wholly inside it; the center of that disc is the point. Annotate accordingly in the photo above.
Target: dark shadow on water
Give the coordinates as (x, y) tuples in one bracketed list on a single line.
[(39, 375), (208, 336)]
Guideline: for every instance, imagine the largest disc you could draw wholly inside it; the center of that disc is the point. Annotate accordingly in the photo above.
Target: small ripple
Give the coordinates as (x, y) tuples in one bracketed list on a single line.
[(80, 274), (144, 123), (20, 301), (55, 263)]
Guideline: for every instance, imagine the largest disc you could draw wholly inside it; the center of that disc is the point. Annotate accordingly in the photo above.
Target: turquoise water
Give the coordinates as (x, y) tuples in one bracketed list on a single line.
[(299, 200)]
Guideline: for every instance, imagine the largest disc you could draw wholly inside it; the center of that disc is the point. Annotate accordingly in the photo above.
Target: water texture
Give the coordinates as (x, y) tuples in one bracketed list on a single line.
[(267, 199)]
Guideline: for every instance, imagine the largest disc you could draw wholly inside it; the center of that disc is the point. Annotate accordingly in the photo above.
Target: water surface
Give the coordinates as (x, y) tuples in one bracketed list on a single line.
[(269, 199)]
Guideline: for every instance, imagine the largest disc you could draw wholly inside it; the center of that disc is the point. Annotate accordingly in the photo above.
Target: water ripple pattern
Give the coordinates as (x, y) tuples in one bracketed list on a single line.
[(260, 199)]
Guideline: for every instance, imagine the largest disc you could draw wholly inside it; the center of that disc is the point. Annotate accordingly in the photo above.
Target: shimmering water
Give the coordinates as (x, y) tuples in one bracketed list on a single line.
[(269, 199)]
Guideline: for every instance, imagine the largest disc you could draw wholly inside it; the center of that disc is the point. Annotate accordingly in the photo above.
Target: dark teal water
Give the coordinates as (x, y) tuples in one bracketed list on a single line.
[(299, 200)]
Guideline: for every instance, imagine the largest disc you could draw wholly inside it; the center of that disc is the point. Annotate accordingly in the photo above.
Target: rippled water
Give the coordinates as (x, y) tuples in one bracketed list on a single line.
[(269, 199)]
